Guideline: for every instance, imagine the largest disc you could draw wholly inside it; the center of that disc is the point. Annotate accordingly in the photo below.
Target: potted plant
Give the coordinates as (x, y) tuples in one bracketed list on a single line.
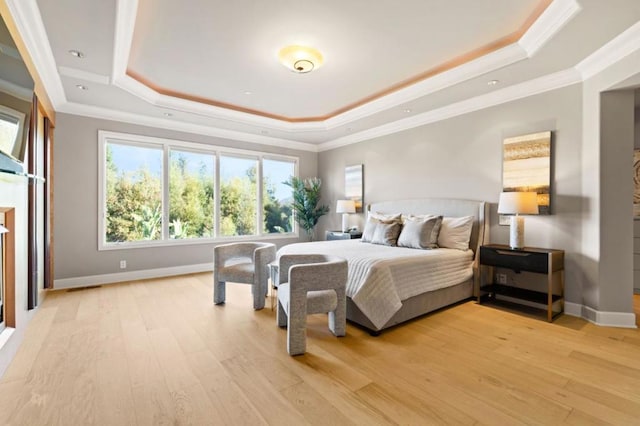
[(306, 196)]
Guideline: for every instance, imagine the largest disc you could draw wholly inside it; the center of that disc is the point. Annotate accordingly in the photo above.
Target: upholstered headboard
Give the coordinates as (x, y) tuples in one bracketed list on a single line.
[(446, 207)]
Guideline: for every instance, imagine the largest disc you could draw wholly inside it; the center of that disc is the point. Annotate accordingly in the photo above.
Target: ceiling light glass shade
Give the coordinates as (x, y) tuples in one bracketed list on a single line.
[(300, 59)]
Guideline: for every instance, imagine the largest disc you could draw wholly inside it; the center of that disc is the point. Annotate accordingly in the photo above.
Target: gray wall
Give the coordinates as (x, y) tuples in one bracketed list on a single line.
[(76, 200), (462, 158), (607, 190), (616, 200)]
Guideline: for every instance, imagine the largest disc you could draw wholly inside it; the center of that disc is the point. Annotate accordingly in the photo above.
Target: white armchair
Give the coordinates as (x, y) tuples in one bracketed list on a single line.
[(244, 263), (316, 284)]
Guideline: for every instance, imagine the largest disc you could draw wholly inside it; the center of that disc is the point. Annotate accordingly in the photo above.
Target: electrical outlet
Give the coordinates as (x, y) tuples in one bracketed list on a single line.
[(501, 278), (123, 264)]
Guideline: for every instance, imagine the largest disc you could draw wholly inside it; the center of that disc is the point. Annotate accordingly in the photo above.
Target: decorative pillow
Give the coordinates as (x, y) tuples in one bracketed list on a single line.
[(420, 232), (369, 230), (386, 233), (372, 221), (455, 232)]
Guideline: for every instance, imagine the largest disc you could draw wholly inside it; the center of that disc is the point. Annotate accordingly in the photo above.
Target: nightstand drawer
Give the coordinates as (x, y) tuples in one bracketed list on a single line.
[(517, 260)]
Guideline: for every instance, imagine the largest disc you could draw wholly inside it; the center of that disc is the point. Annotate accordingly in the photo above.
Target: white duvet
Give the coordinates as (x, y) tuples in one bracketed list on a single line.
[(381, 277)]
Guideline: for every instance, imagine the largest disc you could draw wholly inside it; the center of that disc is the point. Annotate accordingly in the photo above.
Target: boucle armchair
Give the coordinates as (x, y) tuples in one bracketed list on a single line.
[(244, 263), (316, 284)]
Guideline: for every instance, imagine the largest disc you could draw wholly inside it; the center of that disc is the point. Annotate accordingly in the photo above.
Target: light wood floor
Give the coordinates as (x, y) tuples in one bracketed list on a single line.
[(159, 352)]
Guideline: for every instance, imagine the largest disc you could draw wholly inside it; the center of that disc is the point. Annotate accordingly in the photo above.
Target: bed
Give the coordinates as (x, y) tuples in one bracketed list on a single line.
[(391, 285)]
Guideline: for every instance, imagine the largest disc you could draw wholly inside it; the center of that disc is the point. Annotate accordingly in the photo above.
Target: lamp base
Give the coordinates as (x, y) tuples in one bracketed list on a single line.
[(516, 232), (345, 222)]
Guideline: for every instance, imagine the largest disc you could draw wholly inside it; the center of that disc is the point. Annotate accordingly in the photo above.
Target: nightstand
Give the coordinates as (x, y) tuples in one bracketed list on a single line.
[(339, 235), (548, 262)]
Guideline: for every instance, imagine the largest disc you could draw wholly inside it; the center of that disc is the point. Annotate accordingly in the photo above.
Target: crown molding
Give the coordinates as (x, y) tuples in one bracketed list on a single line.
[(160, 123), (621, 46), (123, 35), (500, 58), (28, 21), (518, 91), (552, 20), (84, 75), (16, 91)]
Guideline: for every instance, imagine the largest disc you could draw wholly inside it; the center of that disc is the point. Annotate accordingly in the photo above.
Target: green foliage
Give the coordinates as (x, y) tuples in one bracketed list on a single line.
[(133, 204), (238, 206), (278, 218), (134, 201), (306, 196), (191, 202)]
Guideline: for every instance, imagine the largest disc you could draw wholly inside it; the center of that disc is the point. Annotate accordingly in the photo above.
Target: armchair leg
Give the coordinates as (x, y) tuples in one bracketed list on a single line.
[(219, 290), (338, 318), (296, 335), (281, 316), (258, 297)]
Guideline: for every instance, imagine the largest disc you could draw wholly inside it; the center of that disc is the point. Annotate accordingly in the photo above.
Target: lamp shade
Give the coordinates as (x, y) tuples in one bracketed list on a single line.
[(518, 203), (346, 206)]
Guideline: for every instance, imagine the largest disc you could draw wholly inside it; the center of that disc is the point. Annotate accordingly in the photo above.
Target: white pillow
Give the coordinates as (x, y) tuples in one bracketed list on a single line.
[(455, 232)]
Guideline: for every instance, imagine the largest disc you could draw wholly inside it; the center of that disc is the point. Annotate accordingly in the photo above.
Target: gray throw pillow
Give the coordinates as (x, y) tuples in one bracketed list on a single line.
[(420, 233), (386, 233)]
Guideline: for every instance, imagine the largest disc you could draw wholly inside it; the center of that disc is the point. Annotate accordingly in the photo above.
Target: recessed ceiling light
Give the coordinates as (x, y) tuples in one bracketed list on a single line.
[(168, 114), (264, 132), (349, 129), (248, 92), (492, 82), (82, 87), (76, 53), (407, 110)]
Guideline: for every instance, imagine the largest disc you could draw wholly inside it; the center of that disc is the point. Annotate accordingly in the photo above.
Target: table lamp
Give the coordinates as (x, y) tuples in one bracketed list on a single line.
[(345, 207), (517, 203)]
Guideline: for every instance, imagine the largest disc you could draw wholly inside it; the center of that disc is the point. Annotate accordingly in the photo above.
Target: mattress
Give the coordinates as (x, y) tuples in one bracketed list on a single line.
[(381, 277)]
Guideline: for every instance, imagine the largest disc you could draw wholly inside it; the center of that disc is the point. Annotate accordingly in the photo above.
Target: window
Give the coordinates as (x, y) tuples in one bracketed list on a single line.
[(277, 197), (238, 195), (134, 193), (191, 189), (159, 192)]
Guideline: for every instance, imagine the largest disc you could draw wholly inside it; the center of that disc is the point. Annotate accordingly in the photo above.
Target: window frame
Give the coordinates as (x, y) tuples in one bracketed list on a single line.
[(105, 137)]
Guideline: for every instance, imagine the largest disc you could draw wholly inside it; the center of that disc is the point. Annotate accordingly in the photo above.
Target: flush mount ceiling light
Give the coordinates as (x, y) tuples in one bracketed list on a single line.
[(300, 59)]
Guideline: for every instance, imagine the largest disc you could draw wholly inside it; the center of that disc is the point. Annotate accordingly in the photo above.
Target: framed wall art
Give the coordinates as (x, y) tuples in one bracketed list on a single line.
[(526, 167), (353, 185)]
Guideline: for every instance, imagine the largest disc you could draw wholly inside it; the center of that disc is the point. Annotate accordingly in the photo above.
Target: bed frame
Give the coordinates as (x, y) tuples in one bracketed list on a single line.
[(428, 302)]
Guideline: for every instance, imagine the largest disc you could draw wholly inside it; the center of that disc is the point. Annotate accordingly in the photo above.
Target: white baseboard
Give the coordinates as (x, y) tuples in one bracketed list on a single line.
[(79, 282), (603, 318)]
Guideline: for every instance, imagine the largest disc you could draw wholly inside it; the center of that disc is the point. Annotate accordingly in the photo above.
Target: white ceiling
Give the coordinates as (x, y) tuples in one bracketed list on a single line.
[(218, 50)]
